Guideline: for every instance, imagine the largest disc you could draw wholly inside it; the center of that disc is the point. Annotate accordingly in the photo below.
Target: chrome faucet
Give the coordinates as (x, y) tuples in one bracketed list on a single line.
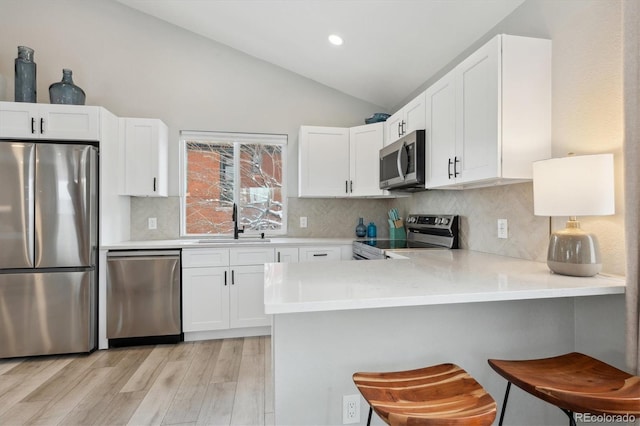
[(234, 217)]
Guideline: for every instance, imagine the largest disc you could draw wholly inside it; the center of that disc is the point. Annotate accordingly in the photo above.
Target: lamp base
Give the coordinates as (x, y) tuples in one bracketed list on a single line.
[(574, 252)]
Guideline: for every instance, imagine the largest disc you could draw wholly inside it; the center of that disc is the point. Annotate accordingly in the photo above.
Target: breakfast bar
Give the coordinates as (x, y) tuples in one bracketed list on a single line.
[(427, 307)]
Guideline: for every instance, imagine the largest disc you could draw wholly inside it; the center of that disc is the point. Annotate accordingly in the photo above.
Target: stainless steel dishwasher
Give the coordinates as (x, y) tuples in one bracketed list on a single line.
[(143, 297)]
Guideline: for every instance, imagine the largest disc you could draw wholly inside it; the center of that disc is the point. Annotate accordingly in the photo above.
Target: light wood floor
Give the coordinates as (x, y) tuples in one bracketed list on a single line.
[(215, 382)]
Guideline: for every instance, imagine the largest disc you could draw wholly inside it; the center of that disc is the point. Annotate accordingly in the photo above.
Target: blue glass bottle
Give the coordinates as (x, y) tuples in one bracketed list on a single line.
[(25, 82), (66, 92), (371, 230), (361, 230)]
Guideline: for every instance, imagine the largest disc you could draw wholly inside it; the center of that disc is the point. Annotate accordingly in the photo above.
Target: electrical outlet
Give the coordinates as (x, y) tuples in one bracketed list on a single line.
[(503, 228), (350, 409), (153, 223), (303, 221)]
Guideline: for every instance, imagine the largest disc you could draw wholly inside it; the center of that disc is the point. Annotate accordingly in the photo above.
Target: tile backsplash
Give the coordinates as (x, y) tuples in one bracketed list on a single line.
[(479, 210)]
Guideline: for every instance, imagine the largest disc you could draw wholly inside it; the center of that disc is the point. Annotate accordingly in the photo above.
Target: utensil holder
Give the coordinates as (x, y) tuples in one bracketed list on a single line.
[(397, 234)]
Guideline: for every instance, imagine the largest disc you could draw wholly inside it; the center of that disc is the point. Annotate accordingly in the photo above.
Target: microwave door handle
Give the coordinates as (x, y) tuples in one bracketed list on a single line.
[(402, 152)]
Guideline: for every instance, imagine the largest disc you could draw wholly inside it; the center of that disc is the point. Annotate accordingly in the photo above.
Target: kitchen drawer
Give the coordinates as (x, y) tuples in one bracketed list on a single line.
[(319, 254), (200, 258), (251, 256)]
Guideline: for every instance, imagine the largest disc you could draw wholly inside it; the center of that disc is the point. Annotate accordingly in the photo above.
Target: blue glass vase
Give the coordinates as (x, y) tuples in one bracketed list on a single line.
[(371, 230), (361, 230), (65, 92), (25, 69)]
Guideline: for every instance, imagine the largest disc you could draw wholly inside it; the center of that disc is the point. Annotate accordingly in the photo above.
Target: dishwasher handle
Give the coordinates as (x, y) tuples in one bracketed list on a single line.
[(142, 253)]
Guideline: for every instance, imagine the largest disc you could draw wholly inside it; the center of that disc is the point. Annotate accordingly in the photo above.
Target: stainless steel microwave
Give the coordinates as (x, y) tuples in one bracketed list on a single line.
[(402, 163)]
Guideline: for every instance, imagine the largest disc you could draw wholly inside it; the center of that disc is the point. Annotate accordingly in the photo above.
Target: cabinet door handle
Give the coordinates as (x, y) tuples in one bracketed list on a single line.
[(225, 278), (42, 126), (33, 125), (403, 129), (351, 183), (456, 160), (320, 254), (399, 128), (346, 186), (154, 184), (449, 168), (233, 277), (278, 257)]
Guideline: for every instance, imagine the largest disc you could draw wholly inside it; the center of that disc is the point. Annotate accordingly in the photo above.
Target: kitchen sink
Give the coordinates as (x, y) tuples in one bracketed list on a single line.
[(233, 241)]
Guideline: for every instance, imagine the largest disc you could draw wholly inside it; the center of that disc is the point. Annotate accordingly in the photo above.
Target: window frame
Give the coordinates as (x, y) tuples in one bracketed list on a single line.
[(233, 139)]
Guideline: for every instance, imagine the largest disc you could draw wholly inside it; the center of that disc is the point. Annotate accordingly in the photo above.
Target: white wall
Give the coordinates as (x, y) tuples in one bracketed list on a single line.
[(138, 66)]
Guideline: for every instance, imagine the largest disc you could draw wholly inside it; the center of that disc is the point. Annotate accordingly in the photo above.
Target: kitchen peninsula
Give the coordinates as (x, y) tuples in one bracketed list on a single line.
[(333, 319)]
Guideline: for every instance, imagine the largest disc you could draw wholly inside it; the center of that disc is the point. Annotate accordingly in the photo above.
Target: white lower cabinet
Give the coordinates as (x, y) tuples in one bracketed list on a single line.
[(319, 254), (219, 297), (247, 297), (223, 289), (287, 255), (205, 299)]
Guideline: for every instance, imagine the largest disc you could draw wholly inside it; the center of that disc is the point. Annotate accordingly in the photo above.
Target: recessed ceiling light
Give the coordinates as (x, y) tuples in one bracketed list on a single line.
[(336, 40)]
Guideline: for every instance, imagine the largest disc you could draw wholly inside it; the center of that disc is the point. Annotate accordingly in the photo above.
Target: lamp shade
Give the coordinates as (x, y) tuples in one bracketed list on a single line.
[(574, 186)]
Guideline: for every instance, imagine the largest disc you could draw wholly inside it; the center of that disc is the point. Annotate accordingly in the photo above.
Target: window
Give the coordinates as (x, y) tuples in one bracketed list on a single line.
[(220, 169)]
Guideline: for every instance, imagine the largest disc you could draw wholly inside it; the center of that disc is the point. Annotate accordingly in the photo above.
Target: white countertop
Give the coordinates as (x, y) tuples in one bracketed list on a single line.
[(426, 277), (212, 243)]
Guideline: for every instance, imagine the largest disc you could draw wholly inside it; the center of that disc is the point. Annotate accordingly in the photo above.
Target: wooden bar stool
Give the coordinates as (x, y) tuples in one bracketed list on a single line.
[(573, 382), (443, 394)]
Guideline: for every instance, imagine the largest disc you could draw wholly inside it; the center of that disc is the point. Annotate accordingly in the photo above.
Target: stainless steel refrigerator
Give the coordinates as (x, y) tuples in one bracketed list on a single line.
[(48, 248)]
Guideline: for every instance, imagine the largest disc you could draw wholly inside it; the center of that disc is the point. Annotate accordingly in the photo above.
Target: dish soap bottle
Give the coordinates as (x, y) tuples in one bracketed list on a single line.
[(371, 230), (361, 230)]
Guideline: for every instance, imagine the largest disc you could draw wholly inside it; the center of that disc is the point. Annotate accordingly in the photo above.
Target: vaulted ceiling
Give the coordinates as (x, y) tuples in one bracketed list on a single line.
[(390, 47)]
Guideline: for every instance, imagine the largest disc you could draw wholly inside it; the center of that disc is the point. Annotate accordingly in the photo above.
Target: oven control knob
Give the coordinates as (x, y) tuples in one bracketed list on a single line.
[(444, 221), (437, 221)]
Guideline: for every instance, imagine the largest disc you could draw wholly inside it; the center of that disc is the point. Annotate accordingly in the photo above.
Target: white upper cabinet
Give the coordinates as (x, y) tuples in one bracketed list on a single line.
[(490, 118), (409, 118), (144, 157), (23, 120), (441, 134), (340, 162), (323, 161), (365, 143)]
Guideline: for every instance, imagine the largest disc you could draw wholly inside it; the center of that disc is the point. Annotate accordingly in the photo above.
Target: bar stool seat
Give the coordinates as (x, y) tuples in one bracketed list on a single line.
[(443, 394), (573, 382)]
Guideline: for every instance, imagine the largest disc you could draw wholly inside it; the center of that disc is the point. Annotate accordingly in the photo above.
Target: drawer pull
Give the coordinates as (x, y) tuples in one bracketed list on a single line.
[(320, 254)]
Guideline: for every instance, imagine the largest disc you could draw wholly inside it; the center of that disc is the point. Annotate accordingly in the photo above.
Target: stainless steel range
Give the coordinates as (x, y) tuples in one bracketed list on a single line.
[(423, 232)]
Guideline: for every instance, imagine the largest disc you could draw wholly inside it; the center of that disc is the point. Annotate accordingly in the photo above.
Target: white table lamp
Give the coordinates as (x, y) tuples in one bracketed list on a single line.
[(574, 186)]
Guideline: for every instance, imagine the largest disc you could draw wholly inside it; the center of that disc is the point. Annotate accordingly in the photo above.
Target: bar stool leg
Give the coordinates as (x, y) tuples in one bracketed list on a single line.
[(504, 403), (569, 413), (369, 418)]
